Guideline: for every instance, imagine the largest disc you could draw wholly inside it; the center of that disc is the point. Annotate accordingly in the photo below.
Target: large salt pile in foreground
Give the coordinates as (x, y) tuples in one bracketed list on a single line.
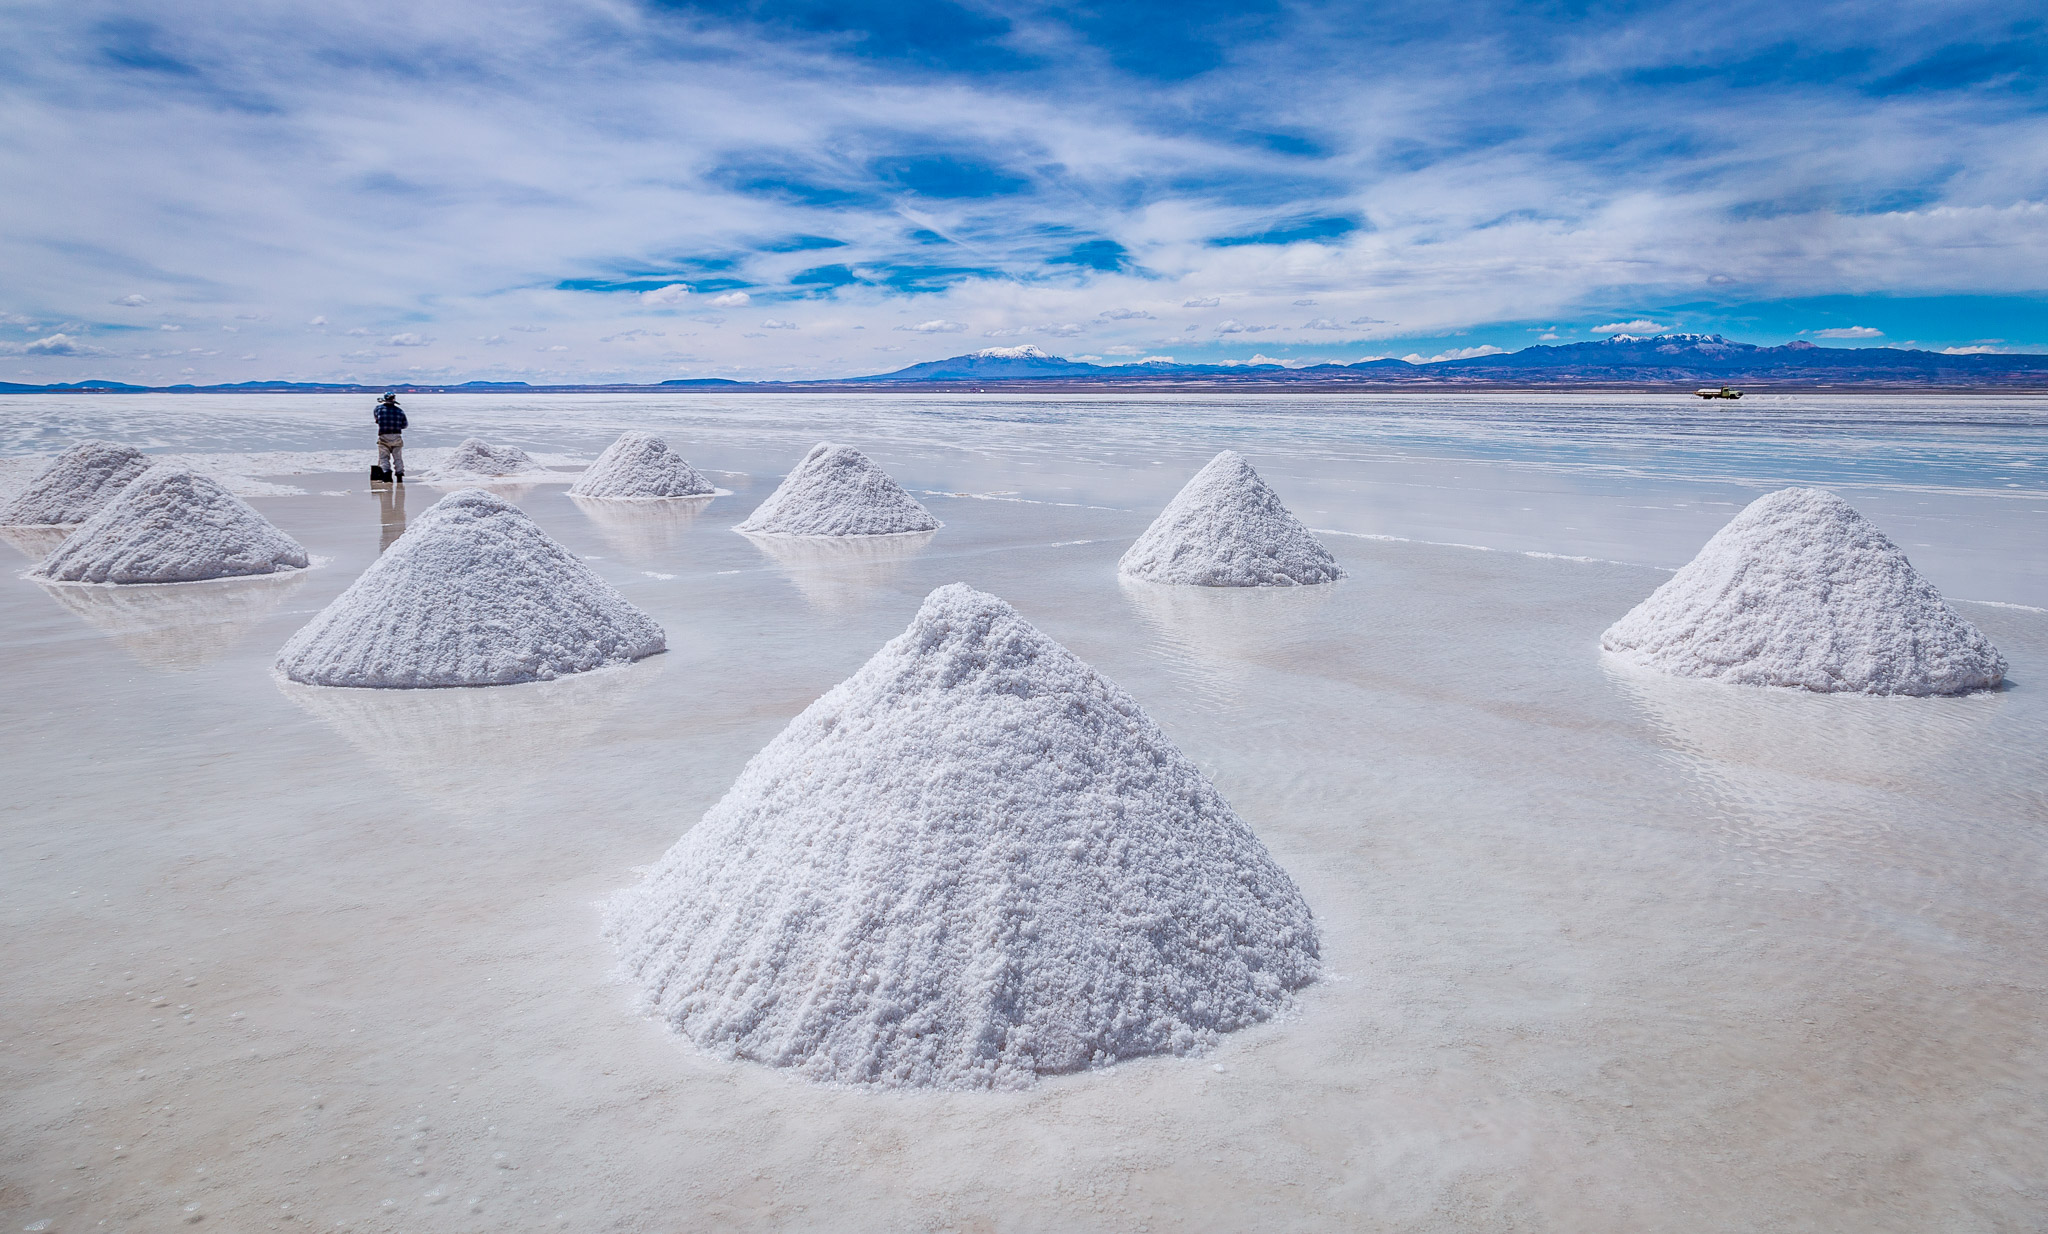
[(838, 491), (972, 863), (77, 485), (1801, 590), (477, 458), (1227, 528), (172, 525), (473, 594), (640, 465)]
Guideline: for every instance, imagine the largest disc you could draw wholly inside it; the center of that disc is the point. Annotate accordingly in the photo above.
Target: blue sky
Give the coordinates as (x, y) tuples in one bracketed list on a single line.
[(586, 190)]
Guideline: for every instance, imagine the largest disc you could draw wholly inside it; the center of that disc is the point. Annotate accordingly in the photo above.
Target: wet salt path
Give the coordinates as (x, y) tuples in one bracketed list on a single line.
[(1608, 951)]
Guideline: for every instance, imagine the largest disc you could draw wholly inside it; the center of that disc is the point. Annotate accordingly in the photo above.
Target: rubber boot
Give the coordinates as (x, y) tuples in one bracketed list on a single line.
[(379, 475)]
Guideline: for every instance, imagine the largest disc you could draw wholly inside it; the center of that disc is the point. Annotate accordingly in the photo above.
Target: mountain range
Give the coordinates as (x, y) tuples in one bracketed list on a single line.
[(1623, 362)]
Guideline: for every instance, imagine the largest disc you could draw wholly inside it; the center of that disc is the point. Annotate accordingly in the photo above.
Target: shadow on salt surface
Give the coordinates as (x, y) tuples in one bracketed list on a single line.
[(1805, 779), (35, 542), (178, 627), (838, 573), (1216, 638), (478, 751), (643, 532)]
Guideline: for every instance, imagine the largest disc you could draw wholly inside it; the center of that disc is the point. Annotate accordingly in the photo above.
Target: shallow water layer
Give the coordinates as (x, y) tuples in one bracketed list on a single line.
[(1608, 951)]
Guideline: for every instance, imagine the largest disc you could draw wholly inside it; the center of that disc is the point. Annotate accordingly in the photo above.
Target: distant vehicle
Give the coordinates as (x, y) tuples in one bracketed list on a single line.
[(1723, 392)]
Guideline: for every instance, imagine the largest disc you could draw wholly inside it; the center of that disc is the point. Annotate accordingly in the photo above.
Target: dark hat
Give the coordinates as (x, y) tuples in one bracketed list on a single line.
[(389, 397)]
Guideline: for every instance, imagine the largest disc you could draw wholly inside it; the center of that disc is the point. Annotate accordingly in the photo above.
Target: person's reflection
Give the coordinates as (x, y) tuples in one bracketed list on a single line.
[(391, 514)]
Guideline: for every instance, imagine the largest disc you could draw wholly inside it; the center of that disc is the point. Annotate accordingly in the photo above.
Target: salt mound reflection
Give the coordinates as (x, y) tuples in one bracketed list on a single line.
[(178, 627), (1805, 778), (643, 532), (1216, 638), (479, 751), (838, 573), (35, 542)]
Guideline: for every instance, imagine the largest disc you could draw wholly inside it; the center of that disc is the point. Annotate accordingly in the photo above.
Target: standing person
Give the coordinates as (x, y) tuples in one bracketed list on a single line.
[(390, 440)]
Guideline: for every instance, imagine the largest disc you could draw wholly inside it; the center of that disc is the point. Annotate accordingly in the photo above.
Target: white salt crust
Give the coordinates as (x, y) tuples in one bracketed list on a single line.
[(838, 491), (1227, 528), (473, 594), (77, 485), (972, 863), (639, 466), (171, 525), (476, 458), (1801, 590)]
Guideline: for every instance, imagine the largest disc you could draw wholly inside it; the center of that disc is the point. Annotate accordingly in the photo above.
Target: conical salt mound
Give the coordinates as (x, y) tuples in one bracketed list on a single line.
[(172, 525), (640, 465), (477, 457), (838, 491), (473, 594), (1227, 528), (76, 485), (972, 863), (1801, 590)]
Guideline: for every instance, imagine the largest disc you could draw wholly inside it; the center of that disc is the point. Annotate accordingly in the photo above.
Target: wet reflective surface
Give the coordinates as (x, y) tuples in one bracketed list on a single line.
[(1607, 951)]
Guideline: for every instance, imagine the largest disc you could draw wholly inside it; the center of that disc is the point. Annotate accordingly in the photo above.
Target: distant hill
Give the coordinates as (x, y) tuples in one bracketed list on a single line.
[(1624, 362)]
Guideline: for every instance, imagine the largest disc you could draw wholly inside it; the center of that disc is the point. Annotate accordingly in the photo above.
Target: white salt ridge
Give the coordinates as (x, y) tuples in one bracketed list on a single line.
[(477, 458), (76, 485), (1801, 590), (473, 594), (972, 863), (639, 466), (1227, 528), (838, 491), (171, 525)]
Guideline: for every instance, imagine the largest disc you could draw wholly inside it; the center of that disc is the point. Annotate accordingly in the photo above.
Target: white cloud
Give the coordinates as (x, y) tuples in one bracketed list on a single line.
[(318, 321), (1124, 351), (1641, 325), (776, 323), (529, 329), (1321, 323), (1231, 325), (936, 326), (1849, 332), (1303, 303), (733, 299), (56, 345), (626, 336), (665, 297), (1979, 349), (168, 326), (1125, 314), (407, 339), (1462, 353), (1156, 360), (556, 347), (133, 301), (1203, 302)]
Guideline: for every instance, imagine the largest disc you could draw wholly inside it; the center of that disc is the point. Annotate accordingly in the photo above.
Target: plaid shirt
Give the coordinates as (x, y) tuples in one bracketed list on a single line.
[(390, 418)]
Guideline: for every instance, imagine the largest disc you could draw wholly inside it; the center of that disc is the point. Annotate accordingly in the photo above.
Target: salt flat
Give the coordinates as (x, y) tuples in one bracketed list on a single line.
[(1606, 950)]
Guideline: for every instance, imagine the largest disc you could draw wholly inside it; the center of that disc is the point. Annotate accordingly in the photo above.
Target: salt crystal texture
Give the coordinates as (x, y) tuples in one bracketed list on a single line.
[(1227, 528), (838, 491), (171, 525), (1801, 590), (638, 466), (972, 863), (77, 485), (473, 594), (476, 457)]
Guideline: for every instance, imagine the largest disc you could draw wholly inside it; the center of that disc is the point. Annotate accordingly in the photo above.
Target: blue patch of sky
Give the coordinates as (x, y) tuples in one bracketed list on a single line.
[(1294, 231)]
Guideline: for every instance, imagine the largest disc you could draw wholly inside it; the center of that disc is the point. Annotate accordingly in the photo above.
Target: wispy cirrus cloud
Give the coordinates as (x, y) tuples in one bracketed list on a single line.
[(452, 172)]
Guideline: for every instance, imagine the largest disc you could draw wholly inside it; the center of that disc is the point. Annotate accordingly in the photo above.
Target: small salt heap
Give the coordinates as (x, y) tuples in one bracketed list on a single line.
[(838, 491), (1801, 590), (639, 466), (1227, 528), (171, 525), (473, 594), (972, 863), (76, 485), (476, 458)]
